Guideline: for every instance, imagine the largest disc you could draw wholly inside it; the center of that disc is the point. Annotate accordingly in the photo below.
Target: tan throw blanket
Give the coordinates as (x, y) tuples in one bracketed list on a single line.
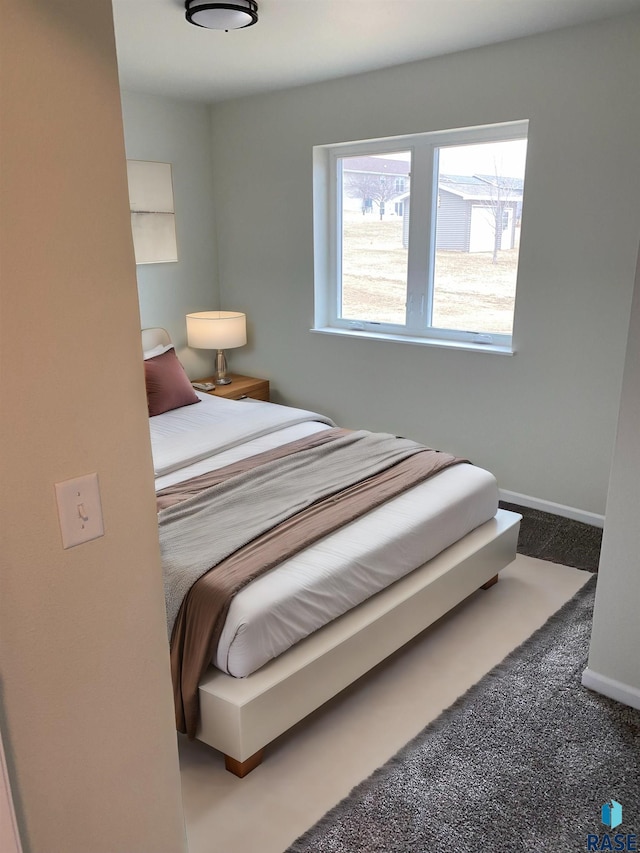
[(209, 525), (370, 467)]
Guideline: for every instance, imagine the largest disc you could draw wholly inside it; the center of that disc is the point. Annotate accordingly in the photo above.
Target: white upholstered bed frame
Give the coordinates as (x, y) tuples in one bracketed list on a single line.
[(240, 716)]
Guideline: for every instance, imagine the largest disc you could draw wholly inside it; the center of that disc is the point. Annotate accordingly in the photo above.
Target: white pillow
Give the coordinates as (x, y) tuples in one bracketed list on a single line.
[(152, 353)]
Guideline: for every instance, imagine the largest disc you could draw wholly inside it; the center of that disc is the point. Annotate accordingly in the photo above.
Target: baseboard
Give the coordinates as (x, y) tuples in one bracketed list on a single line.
[(555, 509), (624, 693)]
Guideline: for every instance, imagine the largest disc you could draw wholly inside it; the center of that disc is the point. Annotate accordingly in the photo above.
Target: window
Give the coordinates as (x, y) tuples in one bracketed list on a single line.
[(417, 237)]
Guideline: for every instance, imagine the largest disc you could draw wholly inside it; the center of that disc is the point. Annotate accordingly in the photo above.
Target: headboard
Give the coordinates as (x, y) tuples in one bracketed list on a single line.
[(152, 338)]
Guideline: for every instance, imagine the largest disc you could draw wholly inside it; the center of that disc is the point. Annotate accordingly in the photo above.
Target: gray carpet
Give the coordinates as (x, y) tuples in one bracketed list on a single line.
[(557, 539), (522, 762)]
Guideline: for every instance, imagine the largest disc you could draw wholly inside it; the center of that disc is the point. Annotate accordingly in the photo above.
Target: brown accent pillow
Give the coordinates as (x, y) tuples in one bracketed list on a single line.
[(168, 386)]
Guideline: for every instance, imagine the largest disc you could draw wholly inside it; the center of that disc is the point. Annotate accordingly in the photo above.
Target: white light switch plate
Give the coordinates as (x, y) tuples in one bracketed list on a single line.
[(79, 510)]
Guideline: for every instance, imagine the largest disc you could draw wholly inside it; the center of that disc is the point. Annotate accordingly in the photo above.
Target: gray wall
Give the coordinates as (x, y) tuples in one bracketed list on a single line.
[(543, 420), (616, 629), (178, 132)]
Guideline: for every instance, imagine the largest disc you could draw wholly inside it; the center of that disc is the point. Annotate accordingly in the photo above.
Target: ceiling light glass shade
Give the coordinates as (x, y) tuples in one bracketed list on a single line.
[(216, 329), (232, 15)]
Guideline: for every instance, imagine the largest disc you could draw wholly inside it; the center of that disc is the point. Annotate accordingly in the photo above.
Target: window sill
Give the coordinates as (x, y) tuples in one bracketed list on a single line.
[(491, 349)]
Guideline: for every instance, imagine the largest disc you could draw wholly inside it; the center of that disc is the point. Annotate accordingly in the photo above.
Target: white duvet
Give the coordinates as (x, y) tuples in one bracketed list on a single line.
[(198, 432), (340, 571)]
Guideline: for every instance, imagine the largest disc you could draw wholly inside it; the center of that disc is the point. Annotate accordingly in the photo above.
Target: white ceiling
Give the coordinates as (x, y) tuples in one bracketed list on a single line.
[(302, 41)]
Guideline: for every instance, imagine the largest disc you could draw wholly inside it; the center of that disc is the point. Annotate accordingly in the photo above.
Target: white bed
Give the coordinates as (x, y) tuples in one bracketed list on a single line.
[(299, 634)]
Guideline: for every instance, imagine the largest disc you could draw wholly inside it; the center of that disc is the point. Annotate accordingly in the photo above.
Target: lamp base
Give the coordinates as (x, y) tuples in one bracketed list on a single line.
[(221, 377)]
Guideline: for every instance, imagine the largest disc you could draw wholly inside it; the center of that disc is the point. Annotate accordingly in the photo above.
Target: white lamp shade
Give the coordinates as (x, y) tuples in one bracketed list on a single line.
[(216, 330)]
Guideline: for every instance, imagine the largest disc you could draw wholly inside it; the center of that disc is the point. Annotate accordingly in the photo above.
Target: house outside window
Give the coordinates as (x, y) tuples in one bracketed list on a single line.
[(417, 238)]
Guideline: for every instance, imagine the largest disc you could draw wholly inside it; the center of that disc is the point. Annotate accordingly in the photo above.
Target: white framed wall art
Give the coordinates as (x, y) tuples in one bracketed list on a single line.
[(152, 212)]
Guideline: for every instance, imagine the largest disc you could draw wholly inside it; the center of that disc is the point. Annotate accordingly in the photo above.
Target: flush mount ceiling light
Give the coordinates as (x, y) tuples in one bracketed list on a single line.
[(222, 16)]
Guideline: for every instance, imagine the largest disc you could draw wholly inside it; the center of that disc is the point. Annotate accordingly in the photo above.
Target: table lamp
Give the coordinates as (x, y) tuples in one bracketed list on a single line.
[(219, 330)]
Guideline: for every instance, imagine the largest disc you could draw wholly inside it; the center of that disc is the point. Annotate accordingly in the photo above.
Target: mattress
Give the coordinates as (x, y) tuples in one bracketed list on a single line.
[(340, 571)]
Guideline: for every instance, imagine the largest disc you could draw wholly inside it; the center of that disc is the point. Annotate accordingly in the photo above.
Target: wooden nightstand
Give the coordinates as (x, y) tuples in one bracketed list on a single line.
[(240, 386)]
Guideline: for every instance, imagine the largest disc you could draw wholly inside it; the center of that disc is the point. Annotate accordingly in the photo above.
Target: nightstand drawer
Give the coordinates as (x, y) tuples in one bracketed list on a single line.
[(239, 387)]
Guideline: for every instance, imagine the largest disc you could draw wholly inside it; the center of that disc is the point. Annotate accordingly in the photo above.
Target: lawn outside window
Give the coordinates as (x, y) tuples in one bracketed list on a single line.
[(416, 238)]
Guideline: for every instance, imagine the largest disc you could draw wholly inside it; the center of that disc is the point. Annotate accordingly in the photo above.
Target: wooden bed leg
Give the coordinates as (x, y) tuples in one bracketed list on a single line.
[(241, 768), (490, 582)]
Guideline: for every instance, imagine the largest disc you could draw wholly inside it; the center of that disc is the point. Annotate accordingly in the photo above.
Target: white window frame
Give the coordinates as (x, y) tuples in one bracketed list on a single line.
[(421, 255)]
